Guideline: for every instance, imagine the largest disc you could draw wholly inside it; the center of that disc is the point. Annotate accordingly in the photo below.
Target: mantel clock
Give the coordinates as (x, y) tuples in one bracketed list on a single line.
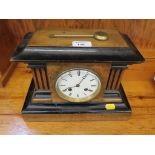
[(76, 70)]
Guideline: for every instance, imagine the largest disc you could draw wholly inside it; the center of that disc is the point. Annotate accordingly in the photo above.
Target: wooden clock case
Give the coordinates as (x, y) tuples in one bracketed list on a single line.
[(48, 57)]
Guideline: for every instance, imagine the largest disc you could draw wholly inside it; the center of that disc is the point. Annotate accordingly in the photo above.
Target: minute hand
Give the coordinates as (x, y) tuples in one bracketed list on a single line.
[(83, 78)]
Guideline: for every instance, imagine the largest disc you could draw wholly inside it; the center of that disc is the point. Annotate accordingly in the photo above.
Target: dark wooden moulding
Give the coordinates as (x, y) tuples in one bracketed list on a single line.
[(38, 99)]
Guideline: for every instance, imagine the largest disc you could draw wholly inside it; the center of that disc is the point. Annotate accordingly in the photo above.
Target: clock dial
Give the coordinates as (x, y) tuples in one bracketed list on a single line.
[(78, 85)]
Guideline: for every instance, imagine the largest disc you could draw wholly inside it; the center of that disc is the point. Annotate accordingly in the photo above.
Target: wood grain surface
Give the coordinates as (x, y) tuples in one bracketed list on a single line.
[(8, 44), (139, 87), (41, 38), (141, 32)]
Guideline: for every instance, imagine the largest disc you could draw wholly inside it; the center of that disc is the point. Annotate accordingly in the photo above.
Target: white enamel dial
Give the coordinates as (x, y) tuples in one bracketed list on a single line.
[(78, 85)]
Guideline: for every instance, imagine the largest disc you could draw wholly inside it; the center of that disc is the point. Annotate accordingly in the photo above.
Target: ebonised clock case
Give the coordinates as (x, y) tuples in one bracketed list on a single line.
[(37, 56)]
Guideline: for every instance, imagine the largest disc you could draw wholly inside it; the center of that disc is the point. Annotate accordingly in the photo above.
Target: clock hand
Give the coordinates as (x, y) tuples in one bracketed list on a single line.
[(65, 89), (69, 88), (77, 85), (82, 79)]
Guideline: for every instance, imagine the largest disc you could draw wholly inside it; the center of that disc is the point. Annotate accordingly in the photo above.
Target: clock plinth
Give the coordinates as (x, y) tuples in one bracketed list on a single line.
[(91, 67)]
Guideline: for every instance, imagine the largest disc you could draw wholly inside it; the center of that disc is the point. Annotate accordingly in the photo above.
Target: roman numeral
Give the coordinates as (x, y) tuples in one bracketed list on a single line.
[(70, 94), (77, 95), (85, 76), (70, 74), (64, 79), (93, 85), (92, 79), (78, 72), (62, 85)]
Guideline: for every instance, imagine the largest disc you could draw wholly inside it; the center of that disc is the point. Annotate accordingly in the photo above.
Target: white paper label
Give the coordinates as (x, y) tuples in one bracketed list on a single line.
[(81, 44)]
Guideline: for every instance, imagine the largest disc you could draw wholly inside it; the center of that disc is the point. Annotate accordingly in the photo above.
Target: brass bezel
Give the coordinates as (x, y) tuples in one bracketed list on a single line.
[(84, 99)]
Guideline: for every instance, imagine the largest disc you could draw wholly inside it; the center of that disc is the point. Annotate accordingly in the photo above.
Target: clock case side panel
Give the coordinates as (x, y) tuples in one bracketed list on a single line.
[(55, 69), (42, 93), (115, 76)]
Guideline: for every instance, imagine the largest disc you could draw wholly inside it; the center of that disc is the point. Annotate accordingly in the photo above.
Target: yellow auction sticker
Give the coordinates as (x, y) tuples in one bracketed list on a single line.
[(110, 106)]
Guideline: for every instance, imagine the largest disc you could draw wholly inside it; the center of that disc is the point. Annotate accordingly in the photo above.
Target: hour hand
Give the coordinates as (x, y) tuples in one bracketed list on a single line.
[(64, 90), (69, 88)]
